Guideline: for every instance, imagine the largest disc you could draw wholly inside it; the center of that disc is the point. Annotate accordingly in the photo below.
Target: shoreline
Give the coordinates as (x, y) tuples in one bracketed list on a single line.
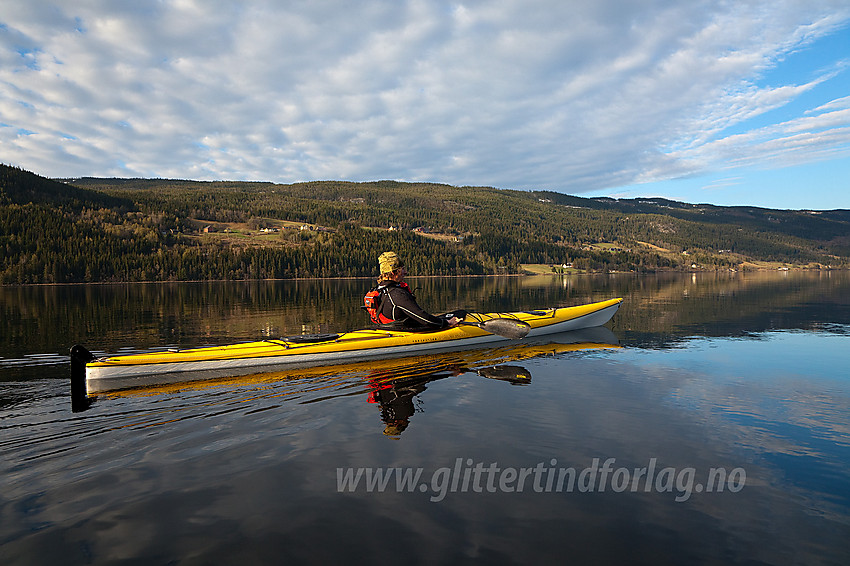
[(795, 269)]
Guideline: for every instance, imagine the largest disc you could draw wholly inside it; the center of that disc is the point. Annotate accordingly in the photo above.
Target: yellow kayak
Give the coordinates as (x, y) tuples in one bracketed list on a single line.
[(115, 372), (484, 361)]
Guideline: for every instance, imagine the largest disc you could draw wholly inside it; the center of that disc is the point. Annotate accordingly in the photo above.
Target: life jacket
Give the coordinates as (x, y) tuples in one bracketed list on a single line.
[(373, 300)]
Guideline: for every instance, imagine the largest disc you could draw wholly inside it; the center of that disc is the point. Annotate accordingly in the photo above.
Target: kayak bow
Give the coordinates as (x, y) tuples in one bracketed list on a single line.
[(116, 372)]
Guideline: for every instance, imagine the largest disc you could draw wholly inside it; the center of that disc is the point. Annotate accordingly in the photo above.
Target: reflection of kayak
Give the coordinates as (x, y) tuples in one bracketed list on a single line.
[(421, 368), (133, 370)]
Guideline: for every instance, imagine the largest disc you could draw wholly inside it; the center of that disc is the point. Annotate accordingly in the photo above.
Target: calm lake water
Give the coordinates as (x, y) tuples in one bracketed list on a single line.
[(708, 424)]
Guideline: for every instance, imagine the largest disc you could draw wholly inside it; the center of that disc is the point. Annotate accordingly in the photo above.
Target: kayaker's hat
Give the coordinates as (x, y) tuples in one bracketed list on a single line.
[(389, 262)]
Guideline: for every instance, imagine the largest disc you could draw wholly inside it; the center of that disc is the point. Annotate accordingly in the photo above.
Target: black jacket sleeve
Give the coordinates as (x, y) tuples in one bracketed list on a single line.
[(402, 307)]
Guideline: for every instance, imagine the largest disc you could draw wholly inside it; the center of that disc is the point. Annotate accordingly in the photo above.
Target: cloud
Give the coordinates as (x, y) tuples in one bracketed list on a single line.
[(720, 184), (573, 96), (823, 133)]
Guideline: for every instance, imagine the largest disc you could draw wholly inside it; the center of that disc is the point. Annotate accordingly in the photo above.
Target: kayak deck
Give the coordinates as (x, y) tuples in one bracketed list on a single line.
[(336, 348)]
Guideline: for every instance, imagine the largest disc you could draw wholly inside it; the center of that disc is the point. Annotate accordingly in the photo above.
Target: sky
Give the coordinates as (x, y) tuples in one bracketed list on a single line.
[(738, 102)]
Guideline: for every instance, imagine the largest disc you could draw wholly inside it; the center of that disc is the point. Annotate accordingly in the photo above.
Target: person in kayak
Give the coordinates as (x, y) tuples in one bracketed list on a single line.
[(393, 303)]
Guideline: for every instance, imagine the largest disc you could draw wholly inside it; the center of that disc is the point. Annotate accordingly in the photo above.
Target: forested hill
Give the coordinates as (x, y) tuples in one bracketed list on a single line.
[(91, 229), (22, 187)]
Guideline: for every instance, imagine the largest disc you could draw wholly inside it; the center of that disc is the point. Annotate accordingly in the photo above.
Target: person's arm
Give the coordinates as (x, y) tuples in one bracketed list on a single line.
[(404, 301)]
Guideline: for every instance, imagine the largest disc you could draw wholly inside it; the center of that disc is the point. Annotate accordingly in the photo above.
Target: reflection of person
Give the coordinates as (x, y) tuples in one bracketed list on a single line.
[(394, 302), (396, 394), (396, 405)]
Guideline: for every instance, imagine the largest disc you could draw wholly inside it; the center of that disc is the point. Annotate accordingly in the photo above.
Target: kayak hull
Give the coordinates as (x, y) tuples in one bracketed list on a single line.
[(115, 372)]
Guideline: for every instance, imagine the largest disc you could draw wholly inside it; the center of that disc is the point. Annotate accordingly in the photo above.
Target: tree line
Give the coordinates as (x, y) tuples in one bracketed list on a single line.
[(87, 230)]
